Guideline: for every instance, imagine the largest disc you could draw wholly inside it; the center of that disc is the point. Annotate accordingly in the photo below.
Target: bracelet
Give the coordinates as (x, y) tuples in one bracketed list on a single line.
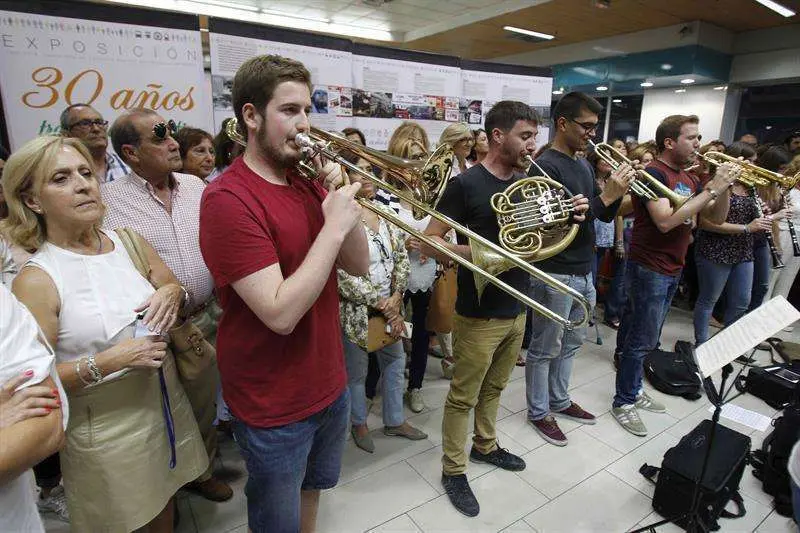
[(185, 296), (97, 376), (78, 371), (746, 229), (714, 194)]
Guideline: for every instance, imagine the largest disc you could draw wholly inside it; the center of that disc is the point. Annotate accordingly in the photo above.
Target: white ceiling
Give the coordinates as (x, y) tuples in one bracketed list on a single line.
[(395, 20)]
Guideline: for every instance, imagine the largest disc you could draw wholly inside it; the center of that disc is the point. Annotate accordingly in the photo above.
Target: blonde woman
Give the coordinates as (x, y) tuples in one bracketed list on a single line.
[(460, 139), (125, 457)]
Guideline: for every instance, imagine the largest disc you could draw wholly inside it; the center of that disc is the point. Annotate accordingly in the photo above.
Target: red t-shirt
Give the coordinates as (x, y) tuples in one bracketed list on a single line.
[(661, 252), (246, 225)]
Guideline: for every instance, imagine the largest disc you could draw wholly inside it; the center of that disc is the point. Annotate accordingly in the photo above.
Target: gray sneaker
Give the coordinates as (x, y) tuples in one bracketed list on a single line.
[(55, 503), (644, 401), (628, 418)]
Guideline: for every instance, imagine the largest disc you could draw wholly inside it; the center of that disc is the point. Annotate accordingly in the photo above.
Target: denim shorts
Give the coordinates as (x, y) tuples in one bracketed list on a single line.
[(281, 461)]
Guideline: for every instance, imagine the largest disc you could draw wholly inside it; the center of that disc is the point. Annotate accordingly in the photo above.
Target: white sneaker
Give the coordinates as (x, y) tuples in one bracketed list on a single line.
[(55, 503), (415, 400)]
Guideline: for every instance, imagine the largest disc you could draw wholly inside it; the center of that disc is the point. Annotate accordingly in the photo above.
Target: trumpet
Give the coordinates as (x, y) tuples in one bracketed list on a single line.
[(412, 175), (751, 174), (644, 186)]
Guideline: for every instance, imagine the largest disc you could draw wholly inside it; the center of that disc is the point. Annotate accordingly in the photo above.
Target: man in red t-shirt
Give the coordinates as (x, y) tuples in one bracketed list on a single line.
[(271, 240), (661, 236)]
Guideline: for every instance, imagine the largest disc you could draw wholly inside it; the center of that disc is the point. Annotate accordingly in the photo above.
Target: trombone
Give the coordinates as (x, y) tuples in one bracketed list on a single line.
[(420, 178), (644, 183)]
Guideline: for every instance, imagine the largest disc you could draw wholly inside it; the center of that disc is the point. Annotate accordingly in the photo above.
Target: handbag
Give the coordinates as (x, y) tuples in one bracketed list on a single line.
[(377, 337), (443, 302), (193, 353)]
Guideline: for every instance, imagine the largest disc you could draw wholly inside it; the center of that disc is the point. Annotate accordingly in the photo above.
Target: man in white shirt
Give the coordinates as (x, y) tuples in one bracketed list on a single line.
[(33, 412)]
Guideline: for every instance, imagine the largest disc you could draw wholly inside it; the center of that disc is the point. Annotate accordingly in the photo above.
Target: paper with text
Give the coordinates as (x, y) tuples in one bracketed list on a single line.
[(744, 416), (744, 334)]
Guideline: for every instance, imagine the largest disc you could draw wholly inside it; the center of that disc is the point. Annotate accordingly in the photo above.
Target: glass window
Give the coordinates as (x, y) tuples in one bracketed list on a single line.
[(770, 113), (626, 112)]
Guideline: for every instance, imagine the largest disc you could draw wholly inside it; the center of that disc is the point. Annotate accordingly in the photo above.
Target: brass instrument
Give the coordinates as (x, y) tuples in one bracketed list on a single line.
[(751, 174), (644, 184), (533, 214), (413, 177)]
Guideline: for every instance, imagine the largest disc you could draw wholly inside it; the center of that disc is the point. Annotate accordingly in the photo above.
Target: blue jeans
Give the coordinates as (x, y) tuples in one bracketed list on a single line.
[(392, 362), (281, 461), (649, 297), (712, 277), (548, 365), (762, 265)]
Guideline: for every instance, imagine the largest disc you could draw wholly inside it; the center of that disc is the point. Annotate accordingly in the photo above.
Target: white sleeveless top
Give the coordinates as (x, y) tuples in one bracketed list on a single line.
[(98, 296)]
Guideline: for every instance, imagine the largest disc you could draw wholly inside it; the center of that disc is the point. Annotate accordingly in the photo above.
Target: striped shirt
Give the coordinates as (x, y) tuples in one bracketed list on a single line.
[(132, 203), (115, 168), (388, 199)]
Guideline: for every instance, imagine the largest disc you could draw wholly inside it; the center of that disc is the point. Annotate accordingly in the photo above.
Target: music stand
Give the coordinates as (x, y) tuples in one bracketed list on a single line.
[(713, 355)]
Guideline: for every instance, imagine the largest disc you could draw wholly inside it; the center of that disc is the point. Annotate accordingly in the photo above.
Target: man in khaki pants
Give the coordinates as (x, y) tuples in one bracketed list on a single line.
[(487, 332)]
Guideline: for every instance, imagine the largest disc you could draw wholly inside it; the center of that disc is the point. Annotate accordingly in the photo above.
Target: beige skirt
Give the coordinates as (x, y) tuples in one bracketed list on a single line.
[(116, 459)]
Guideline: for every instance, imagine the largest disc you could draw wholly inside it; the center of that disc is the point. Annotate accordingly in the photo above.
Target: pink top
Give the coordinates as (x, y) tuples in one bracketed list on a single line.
[(132, 203)]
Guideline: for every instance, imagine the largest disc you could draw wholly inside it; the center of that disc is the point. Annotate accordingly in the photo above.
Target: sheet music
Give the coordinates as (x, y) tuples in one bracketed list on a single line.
[(745, 334), (744, 416)]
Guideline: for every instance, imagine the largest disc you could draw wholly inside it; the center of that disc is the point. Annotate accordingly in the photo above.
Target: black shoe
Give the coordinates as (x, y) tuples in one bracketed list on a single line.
[(460, 494), (500, 457)]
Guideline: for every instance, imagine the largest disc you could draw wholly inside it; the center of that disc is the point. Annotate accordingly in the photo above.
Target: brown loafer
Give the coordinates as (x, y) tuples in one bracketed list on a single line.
[(211, 489)]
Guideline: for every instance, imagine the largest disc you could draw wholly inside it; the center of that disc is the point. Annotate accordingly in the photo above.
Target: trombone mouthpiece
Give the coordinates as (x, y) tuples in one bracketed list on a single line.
[(303, 141)]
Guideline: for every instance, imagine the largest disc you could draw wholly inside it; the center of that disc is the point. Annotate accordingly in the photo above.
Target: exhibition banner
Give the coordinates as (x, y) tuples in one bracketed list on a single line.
[(481, 89), (48, 63), (331, 97), (386, 88)]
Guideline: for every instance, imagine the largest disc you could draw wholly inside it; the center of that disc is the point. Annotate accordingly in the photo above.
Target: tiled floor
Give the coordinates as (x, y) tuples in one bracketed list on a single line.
[(591, 485)]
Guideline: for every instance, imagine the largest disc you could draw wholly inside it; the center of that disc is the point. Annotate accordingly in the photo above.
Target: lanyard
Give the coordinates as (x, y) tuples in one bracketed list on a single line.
[(170, 423)]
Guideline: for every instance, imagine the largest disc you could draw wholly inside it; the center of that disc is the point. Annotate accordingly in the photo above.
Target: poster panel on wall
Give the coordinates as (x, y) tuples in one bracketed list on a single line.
[(48, 63), (484, 84), (329, 63), (393, 85)]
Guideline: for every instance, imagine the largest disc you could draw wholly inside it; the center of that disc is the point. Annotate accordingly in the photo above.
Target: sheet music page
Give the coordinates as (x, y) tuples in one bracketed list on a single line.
[(744, 334), (744, 416)]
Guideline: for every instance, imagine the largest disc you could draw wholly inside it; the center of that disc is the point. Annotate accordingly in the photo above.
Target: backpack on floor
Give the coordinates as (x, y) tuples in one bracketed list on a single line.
[(770, 463), (680, 470), (674, 373)]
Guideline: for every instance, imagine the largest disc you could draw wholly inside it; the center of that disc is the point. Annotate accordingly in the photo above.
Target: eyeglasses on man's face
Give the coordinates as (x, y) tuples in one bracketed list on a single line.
[(588, 127), (87, 124)]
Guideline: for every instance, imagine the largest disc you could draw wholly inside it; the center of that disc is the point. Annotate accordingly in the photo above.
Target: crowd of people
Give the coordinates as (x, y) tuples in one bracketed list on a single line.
[(182, 286)]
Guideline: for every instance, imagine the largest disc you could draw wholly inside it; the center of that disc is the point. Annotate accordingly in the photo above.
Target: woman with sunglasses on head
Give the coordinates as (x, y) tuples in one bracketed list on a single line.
[(378, 295), (126, 456), (459, 137)]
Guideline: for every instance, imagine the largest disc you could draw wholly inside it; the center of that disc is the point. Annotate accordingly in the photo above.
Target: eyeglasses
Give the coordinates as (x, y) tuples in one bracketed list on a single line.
[(588, 127), (87, 123), (384, 255), (161, 129)]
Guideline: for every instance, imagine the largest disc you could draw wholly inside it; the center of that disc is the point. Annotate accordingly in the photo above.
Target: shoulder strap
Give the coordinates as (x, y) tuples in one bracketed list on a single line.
[(132, 243), (737, 499)]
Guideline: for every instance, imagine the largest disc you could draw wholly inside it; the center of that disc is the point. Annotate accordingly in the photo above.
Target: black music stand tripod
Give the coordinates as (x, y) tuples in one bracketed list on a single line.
[(693, 517)]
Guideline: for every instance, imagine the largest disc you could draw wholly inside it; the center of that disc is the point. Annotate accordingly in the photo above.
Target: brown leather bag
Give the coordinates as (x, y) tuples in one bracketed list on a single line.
[(443, 302), (377, 337), (193, 353)]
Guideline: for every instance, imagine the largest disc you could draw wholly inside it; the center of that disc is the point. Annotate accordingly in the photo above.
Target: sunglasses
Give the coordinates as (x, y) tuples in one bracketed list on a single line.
[(161, 129), (87, 123)]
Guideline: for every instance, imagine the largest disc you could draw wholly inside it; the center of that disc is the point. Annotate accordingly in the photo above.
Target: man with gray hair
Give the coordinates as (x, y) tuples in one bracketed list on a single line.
[(163, 206), (83, 122)]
